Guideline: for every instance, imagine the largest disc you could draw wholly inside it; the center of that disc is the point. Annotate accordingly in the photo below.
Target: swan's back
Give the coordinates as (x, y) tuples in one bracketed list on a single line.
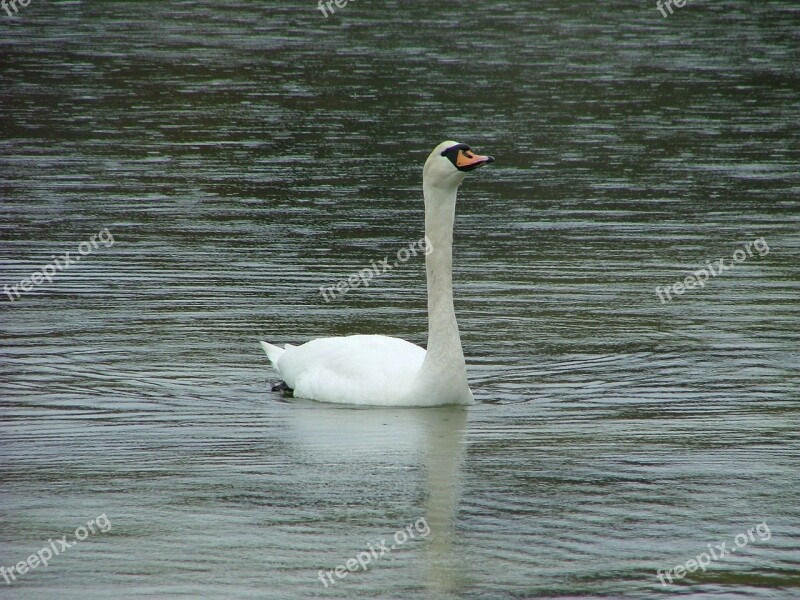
[(358, 369)]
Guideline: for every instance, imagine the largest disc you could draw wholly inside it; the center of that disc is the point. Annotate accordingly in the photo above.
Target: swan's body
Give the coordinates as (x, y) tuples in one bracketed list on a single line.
[(386, 371), (348, 369)]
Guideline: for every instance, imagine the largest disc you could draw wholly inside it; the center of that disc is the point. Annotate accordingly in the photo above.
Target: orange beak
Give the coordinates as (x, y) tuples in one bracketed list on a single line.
[(467, 160)]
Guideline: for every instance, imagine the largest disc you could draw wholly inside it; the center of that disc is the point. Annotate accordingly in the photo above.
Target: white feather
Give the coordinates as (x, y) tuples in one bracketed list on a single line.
[(385, 371), (357, 369)]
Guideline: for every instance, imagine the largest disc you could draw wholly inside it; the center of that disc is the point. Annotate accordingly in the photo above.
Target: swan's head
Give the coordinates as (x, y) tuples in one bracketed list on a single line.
[(450, 162)]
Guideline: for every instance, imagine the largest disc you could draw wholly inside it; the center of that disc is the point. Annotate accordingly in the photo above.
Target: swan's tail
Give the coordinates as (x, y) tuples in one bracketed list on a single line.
[(273, 353)]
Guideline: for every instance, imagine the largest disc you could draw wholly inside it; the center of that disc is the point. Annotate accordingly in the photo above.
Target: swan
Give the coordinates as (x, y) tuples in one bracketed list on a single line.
[(378, 370)]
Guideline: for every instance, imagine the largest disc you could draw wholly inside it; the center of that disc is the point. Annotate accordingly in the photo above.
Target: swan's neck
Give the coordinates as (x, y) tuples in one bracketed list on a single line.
[(444, 361)]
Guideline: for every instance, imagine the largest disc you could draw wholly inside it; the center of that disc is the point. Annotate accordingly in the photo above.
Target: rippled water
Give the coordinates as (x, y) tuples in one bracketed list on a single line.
[(244, 155)]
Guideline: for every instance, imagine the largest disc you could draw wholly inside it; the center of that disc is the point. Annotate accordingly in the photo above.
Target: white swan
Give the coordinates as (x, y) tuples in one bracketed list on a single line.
[(379, 370)]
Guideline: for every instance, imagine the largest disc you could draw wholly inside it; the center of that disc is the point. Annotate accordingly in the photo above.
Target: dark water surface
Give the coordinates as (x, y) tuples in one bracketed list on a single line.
[(244, 154)]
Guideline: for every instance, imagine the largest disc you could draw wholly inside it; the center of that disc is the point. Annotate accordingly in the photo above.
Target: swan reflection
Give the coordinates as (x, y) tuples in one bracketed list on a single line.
[(395, 440)]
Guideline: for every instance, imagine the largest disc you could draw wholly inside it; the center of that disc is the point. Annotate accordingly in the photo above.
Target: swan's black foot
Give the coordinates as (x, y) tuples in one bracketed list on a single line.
[(281, 387)]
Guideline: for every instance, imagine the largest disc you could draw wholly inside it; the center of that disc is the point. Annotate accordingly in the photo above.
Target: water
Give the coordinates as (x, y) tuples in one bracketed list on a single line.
[(242, 156)]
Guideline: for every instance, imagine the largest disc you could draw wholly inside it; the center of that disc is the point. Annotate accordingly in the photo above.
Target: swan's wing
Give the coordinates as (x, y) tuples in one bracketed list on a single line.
[(357, 369)]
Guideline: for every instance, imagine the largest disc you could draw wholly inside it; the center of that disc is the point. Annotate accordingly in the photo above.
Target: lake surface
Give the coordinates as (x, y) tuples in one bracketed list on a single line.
[(241, 155)]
